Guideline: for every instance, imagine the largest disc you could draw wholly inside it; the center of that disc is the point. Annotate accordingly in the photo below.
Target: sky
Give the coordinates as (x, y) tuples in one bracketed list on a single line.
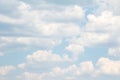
[(59, 40)]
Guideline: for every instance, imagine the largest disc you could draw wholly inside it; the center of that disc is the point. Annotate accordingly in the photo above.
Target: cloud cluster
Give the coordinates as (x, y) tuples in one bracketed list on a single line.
[(54, 38), (103, 66)]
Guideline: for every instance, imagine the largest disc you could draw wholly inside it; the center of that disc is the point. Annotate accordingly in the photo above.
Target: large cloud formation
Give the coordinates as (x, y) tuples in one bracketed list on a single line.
[(52, 40)]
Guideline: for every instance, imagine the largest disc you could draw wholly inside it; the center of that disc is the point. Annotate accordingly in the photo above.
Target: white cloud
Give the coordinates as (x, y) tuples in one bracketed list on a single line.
[(39, 16), (101, 29), (90, 39), (112, 5), (84, 68), (69, 13), (114, 51), (37, 41), (4, 70), (59, 29), (74, 12), (22, 65), (107, 66), (32, 76), (70, 78), (106, 22), (6, 19), (115, 6), (23, 6), (28, 42), (46, 56), (51, 27), (63, 73), (75, 49), (38, 20), (66, 13), (104, 66), (7, 1)]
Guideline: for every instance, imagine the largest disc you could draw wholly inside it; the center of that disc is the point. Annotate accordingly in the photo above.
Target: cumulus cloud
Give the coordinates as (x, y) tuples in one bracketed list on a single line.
[(106, 22), (28, 14), (90, 39), (38, 20), (107, 66), (22, 65), (69, 28), (73, 70), (59, 29), (114, 51), (46, 56), (83, 68), (100, 30), (104, 66), (32, 76), (75, 49), (4, 70)]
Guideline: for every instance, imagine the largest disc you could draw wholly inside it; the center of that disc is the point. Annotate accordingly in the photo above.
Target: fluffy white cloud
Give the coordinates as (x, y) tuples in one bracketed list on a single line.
[(38, 20), (104, 66), (84, 68), (4, 70), (75, 49), (34, 17), (90, 39), (106, 22), (49, 26), (32, 76), (22, 65), (73, 70), (46, 56), (59, 29), (99, 30), (114, 51), (107, 66)]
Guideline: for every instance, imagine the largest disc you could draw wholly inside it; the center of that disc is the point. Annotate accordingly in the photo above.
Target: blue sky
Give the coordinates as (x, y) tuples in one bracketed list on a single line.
[(59, 40)]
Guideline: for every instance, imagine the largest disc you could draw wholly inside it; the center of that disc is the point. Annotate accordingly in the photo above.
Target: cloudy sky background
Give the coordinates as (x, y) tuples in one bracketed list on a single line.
[(59, 39)]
